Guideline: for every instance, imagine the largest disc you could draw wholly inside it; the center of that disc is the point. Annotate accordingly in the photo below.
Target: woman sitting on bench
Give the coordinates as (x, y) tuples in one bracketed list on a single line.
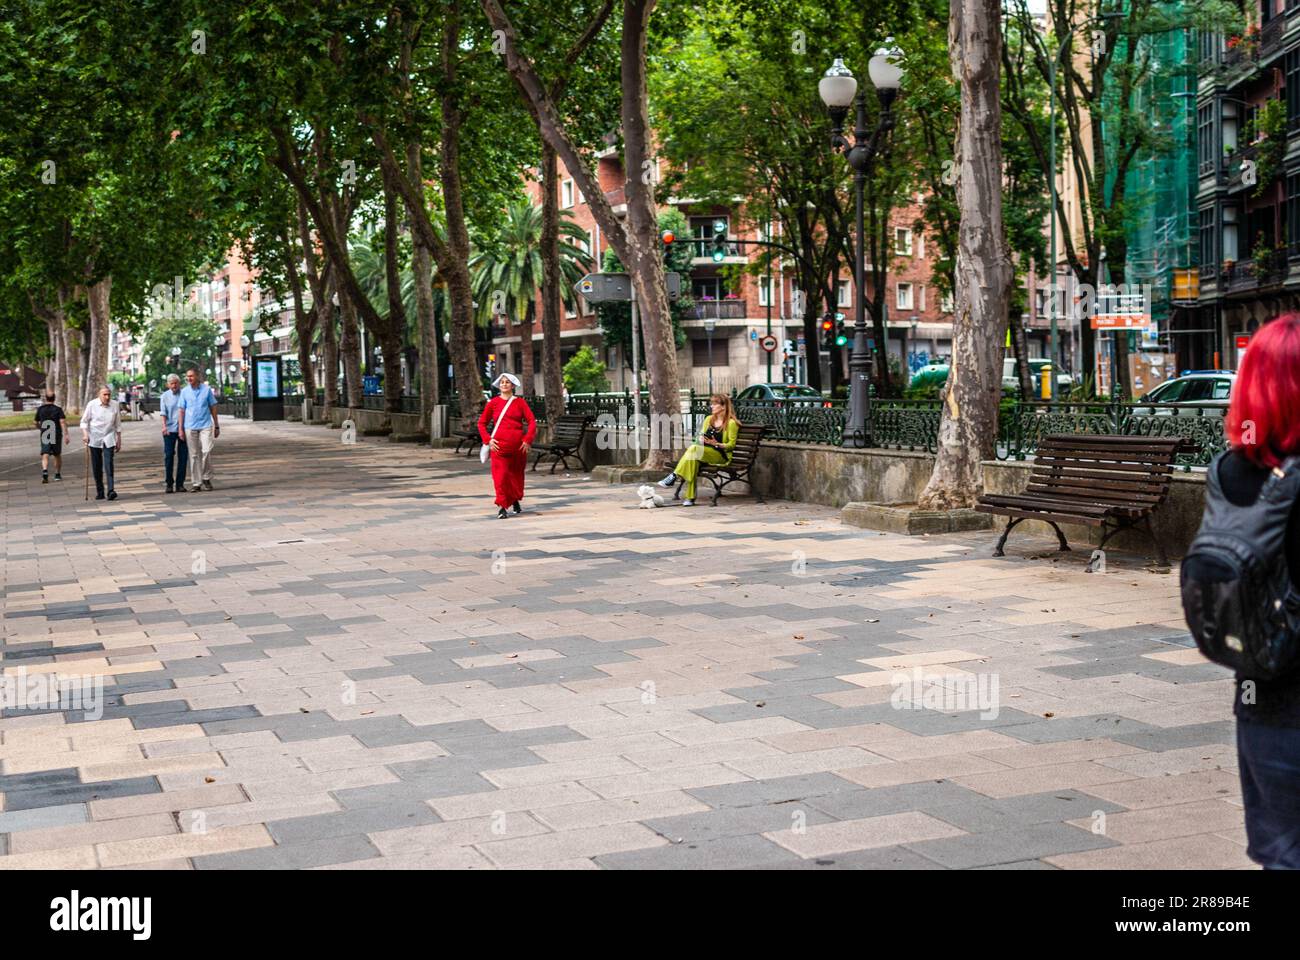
[(716, 443)]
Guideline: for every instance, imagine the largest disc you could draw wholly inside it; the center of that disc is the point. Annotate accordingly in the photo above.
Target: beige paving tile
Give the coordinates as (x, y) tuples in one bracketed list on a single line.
[(148, 849), (437, 838), (91, 833), (205, 797), (450, 858), (1141, 793), (556, 772), (1082, 776), (844, 836), (969, 741), (571, 844), (914, 771), (64, 858), (678, 778), (1060, 751), (1201, 852), (514, 798), (599, 813), (1166, 823)]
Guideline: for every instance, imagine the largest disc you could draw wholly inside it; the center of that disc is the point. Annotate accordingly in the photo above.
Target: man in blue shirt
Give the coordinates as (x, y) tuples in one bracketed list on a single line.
[(169, 406), (197, 419)]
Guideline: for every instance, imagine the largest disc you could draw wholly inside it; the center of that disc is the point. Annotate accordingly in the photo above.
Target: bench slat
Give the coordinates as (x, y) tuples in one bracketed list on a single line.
[(1039, 515), (1112, 465)]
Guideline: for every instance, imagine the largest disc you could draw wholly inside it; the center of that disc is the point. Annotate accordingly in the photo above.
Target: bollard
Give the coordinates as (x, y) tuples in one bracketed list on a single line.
[(438, 426), (1048, 381)]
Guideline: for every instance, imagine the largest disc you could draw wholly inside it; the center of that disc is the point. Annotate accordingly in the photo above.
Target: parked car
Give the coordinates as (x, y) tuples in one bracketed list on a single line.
[(1011, 378), (779, 391), (1210, 389)]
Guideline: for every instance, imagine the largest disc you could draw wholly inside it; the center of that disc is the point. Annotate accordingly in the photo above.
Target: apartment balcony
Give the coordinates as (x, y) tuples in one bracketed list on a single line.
[(1245, 275), (1270, 36), (1243, 170), (729, 308)]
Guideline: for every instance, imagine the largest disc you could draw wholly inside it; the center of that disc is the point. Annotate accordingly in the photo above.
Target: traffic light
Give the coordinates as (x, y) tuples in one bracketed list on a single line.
[(828, 330), (667, 237), (719, 240), (842, 335), (490, 365)]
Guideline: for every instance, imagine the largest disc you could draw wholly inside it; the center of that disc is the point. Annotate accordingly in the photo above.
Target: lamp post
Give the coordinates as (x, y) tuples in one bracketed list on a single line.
[(837, 89), (709, 324)]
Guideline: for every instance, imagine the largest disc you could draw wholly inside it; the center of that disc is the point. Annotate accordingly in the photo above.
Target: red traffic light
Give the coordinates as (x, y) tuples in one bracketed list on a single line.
[(667, 237), (827, 325)]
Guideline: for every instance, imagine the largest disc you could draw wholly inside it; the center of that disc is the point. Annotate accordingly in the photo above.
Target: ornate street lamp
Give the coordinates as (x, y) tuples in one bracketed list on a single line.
[(839, 90)]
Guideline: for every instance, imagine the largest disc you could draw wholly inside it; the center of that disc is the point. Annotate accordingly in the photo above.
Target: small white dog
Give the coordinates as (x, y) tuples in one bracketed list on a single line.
[(649, 498)]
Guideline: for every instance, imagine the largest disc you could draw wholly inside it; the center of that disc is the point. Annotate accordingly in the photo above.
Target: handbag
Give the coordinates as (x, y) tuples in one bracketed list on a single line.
[(484, 451)]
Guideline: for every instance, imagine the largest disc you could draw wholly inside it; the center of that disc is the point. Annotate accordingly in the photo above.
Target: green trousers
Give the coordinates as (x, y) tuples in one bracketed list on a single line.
[(688, 467)]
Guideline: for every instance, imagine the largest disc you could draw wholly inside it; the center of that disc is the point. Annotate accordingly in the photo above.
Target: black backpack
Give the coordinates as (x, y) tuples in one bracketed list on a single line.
[(1240, 604)]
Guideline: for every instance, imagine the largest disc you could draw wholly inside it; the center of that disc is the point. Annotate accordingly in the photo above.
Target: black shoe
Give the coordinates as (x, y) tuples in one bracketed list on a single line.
[(58, 476), (45, 478), (180, 489), (112, 494), (99, 496), (170, 489), (516, 508), (207, 484), (501, 514)]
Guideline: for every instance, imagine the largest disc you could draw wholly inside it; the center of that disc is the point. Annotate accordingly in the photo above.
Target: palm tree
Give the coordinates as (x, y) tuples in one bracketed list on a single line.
[(507, 272)]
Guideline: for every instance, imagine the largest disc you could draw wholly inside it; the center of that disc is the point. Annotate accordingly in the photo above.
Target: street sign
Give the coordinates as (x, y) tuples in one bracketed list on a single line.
[(768, 343), (617, 287), (1243, 341), (1120, 321)]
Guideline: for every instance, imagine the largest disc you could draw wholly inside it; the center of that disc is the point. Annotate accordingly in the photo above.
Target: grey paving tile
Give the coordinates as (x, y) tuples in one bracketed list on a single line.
[(1023, 842), (372, 819), (292, 856), (748, 793), (726, 853)]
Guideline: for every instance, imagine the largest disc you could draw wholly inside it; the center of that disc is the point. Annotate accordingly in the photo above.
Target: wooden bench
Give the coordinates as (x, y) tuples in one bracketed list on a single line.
[(566, 441), (1111, 482), (742, 461), (470, 435)]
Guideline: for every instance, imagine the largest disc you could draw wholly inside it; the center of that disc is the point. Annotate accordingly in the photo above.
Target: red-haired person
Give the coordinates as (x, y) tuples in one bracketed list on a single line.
[(509, 441), (1263, 430)]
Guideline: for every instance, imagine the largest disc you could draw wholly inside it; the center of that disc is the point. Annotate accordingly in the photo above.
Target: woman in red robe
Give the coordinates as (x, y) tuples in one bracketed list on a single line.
[(509, 447)]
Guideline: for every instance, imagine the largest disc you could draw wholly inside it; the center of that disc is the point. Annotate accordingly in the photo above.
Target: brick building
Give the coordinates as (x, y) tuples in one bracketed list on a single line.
[(919, 319)]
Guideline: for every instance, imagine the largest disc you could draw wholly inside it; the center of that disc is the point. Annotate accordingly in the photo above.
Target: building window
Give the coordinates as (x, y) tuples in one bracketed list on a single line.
[(1293, 215), (566, 193), (903, 296), (1209, 256), (920, 244), (844, 297), (903, 241), (700, 352), (764, 288), (1206, 152), (921, 302), (946, 304), (1292, 67)]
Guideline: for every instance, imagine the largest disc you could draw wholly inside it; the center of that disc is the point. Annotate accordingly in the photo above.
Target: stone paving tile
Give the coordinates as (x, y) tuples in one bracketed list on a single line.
[(575, 713)]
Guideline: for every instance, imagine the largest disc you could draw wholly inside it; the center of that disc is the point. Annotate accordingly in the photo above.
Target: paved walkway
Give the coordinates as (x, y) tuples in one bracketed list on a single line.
[(339, 658)]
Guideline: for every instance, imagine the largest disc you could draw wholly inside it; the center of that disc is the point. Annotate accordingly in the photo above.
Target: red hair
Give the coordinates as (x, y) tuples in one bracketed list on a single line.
[(1264, 413)]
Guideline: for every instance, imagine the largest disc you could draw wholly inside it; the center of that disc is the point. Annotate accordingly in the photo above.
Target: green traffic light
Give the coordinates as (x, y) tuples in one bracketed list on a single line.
[(841, 340), (718, 254)]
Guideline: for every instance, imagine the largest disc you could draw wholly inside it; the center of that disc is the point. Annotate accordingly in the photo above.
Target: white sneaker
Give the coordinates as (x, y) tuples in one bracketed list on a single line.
[(688, 503), (668, 480)]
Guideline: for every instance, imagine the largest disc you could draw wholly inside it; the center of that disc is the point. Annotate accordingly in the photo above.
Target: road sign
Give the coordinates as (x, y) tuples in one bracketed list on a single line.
[(768, 343), (617, 287), (1120, 321)]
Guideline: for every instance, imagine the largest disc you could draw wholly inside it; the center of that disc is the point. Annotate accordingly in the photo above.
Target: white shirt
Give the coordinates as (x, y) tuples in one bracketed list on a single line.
[(103, 423)]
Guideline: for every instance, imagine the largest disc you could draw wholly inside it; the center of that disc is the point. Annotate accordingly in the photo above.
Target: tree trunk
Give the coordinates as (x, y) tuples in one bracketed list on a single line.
[(526, 348), (1020, 351), (329, 343), (393, 331), (425, 315), (968, 422), (635, 239), (70, 385), (350, 350), (552, 368), (97, 297)]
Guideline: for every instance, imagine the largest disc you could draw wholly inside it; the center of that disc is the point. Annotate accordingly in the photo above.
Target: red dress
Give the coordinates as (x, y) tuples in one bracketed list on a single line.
[(508, 463)]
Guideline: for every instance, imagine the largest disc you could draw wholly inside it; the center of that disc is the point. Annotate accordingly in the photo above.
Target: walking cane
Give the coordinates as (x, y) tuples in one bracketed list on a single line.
[(87, 449)]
